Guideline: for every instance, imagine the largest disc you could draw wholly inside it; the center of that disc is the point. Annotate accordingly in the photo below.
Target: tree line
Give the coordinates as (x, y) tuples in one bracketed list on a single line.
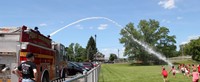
[(75, 52), (147, 31), (156, 36), (191, 48), (151, 33)]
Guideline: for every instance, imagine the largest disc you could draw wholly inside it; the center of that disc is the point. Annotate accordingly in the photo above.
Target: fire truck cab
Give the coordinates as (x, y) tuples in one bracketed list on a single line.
[(15, 42)]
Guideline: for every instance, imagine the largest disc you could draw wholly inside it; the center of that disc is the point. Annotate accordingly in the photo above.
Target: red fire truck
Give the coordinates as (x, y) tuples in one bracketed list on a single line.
[(16, 42)]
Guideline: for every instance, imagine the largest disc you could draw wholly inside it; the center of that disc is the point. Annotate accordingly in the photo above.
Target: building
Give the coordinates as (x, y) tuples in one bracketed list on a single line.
[(99, 57)]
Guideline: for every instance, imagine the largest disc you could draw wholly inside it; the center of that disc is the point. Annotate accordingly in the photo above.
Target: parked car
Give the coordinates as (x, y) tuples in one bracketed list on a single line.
[(82, 66), (88, 65), (95, 64), (74, 69)]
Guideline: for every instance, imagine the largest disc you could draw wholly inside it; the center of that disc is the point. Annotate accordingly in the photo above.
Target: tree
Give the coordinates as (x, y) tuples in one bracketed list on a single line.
[(112, 57), (70, 52), (129, 43), (192, 48), (151, 33), (91, 49), (80, 53), (75, 52)]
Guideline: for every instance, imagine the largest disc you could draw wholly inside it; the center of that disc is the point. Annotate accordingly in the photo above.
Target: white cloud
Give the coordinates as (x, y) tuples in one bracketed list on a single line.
[(103, 26), (79, 27), (61, 22), (108, 51), (43, 24), (193, 37), (91, 27), (179, 18), (185, 42), (167, 4), (166, 21)]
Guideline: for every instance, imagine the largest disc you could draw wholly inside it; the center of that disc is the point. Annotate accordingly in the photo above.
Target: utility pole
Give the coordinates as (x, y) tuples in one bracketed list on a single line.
[(182, 50), (95, 39), (95, 46), (118, 53)]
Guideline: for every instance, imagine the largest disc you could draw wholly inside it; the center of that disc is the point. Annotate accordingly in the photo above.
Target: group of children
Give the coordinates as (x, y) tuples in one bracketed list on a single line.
[(185, 70)]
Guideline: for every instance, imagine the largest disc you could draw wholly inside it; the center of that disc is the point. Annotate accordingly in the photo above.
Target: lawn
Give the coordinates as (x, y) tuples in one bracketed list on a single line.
[(127, 73)]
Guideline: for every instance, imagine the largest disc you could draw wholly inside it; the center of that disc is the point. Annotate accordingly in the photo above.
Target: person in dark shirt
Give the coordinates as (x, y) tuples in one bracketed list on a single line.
[(27, 69)]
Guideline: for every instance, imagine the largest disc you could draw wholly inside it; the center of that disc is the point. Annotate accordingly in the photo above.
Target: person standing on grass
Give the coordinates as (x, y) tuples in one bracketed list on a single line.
[(173, 71), (187, 72), (195, 76), (183, 69), (194, 67), (165, 74)]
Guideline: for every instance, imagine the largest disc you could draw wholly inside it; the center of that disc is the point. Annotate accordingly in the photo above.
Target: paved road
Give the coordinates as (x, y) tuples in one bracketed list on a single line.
[(79, 80)]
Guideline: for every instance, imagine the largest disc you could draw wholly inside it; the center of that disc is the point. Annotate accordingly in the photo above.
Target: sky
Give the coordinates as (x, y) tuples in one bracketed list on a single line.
[(181, 17)]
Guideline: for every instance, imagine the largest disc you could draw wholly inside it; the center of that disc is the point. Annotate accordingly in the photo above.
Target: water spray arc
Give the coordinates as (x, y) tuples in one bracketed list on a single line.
[(84, 19), (146, 46)]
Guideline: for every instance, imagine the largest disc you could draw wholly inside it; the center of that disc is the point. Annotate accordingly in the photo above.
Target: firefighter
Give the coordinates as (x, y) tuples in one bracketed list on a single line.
[(36, 29)]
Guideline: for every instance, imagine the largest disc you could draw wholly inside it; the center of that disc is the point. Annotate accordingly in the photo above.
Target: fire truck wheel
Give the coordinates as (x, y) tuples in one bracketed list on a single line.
[(45, 78)]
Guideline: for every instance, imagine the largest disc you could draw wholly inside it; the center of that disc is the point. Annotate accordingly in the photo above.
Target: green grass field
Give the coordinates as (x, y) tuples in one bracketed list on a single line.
[(127, 73)]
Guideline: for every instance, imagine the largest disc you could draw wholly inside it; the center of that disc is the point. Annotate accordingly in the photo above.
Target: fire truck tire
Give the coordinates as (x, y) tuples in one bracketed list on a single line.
[(45, 78)]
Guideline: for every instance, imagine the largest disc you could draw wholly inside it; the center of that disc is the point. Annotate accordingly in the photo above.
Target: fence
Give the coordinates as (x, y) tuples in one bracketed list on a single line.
[(90, 76)]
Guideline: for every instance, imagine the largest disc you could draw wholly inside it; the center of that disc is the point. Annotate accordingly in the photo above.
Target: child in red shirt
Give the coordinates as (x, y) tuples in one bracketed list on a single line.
[(165, 74)]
